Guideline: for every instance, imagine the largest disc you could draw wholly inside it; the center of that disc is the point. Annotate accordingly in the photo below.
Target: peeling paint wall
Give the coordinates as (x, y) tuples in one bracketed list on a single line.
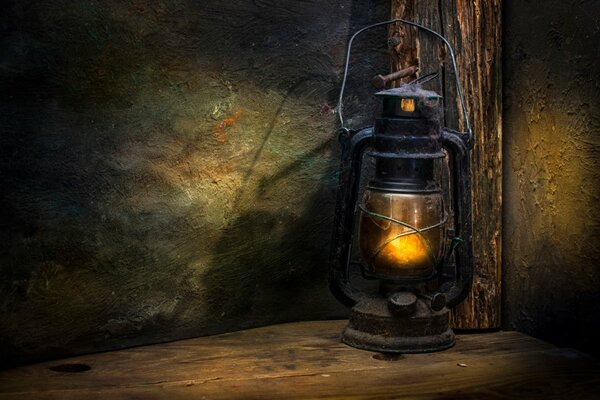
[(552, 170), (168, 168)]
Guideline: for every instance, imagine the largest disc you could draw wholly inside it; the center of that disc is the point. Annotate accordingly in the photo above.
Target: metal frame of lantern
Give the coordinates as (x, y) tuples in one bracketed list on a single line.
[(404, 316)]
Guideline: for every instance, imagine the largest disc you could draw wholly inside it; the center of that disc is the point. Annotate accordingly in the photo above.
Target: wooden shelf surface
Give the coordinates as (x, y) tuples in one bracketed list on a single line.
[(306, 360)]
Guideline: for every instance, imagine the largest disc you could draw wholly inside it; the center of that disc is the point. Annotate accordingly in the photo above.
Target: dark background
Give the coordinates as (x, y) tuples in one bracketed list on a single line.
[(168, 168), (551, 233)]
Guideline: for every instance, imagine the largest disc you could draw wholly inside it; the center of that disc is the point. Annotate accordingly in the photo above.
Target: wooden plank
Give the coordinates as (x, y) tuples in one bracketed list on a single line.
[(476, 27), (474, 30), (307, 360)]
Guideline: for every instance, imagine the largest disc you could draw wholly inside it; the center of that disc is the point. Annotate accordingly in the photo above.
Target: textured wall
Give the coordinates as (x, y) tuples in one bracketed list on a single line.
[(168, 168), (552, 170)]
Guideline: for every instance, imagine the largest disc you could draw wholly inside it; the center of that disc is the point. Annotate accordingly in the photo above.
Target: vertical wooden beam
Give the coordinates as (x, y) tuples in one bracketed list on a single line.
[(474, 29)]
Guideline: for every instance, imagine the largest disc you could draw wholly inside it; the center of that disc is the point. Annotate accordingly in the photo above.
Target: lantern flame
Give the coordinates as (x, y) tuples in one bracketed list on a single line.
[(407, 250)]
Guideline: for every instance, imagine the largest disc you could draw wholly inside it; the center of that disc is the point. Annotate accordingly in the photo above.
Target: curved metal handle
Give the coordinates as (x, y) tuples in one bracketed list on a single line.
[(403, 21), (354, 144), (458, 148)]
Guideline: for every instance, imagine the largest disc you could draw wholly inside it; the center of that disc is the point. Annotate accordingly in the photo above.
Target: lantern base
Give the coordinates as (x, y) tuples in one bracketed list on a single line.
[(374, 327)]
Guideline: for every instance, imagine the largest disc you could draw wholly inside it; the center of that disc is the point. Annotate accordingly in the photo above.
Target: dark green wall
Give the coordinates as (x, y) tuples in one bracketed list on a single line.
[(168, 168), (552, 170)]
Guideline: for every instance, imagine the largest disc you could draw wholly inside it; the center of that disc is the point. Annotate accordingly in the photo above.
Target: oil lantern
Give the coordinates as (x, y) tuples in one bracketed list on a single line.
[(403, 232)]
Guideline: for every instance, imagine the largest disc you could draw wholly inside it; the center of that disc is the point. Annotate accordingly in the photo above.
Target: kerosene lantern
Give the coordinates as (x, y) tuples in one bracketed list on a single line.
[(421, 258)]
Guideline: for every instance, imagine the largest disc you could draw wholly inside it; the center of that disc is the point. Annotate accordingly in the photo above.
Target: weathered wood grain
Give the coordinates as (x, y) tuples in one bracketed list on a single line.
[(307, 360), (474, 30)]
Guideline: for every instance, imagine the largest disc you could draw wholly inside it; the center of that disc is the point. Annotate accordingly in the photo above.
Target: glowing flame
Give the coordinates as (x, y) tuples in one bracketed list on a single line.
[(406, 251), (407, 105)]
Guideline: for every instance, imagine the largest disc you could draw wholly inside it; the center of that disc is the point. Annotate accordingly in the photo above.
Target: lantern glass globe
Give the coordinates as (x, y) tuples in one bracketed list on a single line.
[(401, 235)]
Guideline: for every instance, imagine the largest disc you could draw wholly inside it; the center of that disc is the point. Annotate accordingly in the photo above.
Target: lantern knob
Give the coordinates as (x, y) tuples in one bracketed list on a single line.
[(438, 301), (403, 303)]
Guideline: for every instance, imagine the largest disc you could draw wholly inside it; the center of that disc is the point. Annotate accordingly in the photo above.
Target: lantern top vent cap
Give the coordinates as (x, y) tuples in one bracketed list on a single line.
[(409, 91)]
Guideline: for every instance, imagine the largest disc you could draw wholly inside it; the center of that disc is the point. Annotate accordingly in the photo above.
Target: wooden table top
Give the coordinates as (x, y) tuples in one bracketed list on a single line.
[(306, 360)]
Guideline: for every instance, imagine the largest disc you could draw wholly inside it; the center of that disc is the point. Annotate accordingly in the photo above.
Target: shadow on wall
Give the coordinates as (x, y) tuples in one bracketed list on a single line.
[(274, 256), (277, 260), (272, 259), (168, 167)]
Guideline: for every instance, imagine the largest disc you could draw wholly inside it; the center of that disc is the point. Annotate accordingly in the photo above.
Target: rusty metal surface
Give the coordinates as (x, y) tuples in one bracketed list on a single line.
[(374, 327)]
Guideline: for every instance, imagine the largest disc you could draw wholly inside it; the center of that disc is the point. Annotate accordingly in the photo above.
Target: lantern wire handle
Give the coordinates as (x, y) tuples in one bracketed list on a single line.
[(425, 78), (403, 21)]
